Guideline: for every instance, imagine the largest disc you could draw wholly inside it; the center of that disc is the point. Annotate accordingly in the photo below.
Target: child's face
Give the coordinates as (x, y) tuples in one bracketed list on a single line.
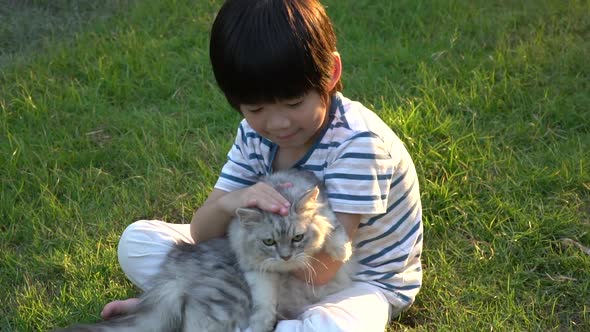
[(293, 123)]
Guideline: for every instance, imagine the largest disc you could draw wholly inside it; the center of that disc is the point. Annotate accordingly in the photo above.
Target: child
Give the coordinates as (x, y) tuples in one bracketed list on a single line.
[(276, 63)]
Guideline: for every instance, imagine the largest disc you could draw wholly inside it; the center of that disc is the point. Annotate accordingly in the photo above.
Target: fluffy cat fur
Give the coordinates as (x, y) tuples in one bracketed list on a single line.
[(244, 280)]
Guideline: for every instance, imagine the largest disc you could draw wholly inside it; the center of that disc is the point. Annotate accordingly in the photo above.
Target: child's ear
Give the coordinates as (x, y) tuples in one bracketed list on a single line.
[(309, 197), (248, 216), (337, 71)]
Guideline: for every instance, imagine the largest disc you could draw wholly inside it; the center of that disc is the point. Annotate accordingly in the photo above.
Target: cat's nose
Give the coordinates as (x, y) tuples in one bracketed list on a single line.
[(286, 258)]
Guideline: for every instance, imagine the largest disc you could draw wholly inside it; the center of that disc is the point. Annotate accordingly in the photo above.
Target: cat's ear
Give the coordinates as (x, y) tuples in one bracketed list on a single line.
[(248, 216), (307, 200)]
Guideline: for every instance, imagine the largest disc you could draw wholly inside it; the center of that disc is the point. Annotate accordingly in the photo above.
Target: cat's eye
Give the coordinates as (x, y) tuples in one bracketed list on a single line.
[(268, 242), (297, 238)]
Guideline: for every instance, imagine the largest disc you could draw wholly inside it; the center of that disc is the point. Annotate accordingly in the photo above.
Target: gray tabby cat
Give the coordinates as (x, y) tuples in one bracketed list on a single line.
[(245, 280)]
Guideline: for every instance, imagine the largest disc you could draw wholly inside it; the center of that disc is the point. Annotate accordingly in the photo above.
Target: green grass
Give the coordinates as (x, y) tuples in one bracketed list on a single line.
[(109, 113)]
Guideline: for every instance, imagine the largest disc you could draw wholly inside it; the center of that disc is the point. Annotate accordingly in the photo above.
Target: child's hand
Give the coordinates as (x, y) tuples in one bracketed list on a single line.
[(260, 195)]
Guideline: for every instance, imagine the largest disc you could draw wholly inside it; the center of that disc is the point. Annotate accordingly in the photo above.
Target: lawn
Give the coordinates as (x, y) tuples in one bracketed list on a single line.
[(109, 113)]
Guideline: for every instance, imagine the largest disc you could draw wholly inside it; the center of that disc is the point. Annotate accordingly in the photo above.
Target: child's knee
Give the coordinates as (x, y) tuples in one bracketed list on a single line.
[(134, 238), (141, 250), (330, 319), (360, 308), (320, 319)]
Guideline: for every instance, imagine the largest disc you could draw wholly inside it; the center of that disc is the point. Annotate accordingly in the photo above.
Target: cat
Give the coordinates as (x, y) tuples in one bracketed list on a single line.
[(244, 280), (271, 245)]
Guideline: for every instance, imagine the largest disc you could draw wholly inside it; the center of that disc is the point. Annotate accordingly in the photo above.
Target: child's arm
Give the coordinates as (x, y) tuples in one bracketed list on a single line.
[(212, 218), (325, 267)]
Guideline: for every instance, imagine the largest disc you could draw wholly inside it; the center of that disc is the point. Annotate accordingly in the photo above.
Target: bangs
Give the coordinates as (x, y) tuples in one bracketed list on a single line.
[(263, 52), (265, 65)]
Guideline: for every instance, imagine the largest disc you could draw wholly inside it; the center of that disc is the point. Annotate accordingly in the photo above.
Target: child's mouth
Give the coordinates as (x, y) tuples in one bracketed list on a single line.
[(289, 136)]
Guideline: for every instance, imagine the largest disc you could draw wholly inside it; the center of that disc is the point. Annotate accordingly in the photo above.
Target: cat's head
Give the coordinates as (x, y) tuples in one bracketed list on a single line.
[(286, 243)]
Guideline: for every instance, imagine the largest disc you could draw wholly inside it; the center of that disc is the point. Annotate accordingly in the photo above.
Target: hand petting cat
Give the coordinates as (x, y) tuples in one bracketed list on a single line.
[(261, 195), (221, 206)]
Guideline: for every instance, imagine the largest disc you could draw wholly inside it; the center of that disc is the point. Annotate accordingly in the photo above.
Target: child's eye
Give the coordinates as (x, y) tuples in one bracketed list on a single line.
[(254, 110), (294, 104), (268, 242), (297, 238)]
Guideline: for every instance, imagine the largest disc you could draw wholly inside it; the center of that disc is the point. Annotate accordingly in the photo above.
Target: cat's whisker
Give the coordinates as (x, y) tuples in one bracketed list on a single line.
[(308, 276), (265, 266), (308, 268), (317, 260), (311, 272), (302, 259)]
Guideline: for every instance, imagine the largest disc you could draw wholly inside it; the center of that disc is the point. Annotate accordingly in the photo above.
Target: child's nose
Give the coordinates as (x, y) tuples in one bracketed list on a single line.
[(278, 122)]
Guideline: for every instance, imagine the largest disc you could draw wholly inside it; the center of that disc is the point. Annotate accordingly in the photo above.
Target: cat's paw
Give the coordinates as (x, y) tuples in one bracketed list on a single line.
[(262, 322), (338, 246), (341, 252)]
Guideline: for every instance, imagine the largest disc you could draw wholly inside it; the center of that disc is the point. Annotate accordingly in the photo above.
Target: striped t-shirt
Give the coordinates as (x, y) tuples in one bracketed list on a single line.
[(366, 170)]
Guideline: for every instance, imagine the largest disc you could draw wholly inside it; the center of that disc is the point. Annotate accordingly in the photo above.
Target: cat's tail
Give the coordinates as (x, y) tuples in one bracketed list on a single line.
[(161, 310)]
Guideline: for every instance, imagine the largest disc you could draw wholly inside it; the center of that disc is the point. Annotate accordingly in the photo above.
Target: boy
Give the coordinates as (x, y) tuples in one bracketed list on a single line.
[(276, 63)]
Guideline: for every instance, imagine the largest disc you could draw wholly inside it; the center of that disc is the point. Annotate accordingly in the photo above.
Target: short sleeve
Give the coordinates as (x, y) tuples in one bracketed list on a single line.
[(238, 172), (358, 177)]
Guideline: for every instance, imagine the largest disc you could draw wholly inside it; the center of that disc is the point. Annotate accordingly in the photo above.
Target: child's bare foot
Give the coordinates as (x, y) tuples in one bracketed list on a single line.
[(118, 307)]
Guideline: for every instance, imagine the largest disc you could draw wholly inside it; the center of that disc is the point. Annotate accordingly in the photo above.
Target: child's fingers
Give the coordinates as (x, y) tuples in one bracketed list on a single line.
[(265, 205), (267, 202), (273, 195), (267, 198)]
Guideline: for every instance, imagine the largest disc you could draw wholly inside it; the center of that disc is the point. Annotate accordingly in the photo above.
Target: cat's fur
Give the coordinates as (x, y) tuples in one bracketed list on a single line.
[(206, 287)]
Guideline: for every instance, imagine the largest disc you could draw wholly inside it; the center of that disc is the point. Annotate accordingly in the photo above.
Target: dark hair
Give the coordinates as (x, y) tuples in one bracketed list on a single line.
[(270, 50)]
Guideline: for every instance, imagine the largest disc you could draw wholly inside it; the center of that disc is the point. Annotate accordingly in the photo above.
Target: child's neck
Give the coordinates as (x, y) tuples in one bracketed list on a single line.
[(285, 158)]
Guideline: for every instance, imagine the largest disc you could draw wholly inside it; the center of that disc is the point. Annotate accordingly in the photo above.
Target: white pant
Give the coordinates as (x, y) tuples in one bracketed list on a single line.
[(362, 307)]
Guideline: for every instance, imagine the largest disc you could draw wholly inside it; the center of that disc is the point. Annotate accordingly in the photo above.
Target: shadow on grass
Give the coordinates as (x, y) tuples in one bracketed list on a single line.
[(29, 26)]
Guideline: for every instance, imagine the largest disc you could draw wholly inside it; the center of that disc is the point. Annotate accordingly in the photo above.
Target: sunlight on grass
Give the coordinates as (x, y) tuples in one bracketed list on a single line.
[(109, 113)]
